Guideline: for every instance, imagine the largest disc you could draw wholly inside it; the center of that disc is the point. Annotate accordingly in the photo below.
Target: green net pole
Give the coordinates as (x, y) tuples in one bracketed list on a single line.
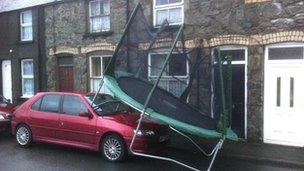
[(222, 125), (111, 66), (229, 91)]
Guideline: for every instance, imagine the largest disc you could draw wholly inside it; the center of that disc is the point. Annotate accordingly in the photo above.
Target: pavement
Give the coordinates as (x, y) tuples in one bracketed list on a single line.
[(234, 156), (250, 151)]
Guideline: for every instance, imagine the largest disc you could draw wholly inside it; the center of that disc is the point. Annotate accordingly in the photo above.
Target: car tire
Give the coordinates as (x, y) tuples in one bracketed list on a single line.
[(23, 136), (113, 148)]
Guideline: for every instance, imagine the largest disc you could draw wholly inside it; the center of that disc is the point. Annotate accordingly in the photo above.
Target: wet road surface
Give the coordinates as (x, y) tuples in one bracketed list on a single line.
[(45, 157)]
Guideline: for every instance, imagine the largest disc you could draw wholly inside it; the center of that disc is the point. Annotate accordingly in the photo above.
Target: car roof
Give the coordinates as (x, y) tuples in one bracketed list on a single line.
[(69, 93)]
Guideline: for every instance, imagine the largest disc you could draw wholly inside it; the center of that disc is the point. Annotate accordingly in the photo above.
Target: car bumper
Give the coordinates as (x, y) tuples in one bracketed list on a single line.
[(149, 145), (5, 125)]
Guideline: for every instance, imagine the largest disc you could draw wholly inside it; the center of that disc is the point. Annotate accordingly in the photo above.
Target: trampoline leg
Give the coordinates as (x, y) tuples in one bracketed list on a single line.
[(219, 146)]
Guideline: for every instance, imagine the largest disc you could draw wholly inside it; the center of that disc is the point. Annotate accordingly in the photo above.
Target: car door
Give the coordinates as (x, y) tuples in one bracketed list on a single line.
[(74, 128), (44, 116)]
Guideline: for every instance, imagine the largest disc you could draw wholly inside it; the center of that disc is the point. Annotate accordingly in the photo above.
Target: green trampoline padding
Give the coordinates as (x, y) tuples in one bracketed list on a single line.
[(112, 85)]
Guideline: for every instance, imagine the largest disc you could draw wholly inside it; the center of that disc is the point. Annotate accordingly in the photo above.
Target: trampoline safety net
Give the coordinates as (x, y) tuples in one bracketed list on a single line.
[(140, 60)]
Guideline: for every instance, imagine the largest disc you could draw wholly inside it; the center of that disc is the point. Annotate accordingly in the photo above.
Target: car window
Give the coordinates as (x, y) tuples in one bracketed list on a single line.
[(50, 103), (36, 105), (107, 105), (72, 105)]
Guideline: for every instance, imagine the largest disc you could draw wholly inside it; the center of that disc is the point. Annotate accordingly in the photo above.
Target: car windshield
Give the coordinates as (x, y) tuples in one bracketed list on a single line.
[(107, 105)]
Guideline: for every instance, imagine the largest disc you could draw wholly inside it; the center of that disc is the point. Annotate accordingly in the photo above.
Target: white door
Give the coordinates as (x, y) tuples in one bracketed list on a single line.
[(7, 79), (284, 104)]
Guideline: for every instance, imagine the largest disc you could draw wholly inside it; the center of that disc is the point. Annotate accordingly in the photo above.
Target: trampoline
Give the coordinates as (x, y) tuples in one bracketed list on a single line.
[(126, 77)]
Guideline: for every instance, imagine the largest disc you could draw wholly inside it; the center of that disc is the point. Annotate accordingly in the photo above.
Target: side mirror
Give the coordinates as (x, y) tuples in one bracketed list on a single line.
[(86, 114)]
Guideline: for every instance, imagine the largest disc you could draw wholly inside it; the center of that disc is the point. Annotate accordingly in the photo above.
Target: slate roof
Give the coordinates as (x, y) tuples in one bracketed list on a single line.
[(11, 5)]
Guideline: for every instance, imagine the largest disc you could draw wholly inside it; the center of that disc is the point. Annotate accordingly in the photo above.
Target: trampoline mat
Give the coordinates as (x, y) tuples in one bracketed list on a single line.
[(165, 103)]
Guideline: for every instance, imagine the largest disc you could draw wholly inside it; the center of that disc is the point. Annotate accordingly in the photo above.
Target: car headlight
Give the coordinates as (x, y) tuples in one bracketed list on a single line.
[(144, 133)]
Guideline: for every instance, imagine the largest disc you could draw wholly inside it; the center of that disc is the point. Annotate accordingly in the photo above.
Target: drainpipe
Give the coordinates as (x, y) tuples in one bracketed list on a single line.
[(127, 36)]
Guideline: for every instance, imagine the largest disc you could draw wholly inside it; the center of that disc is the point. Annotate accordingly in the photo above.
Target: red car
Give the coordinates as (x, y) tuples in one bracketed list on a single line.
[(6, 110), (69, 119)]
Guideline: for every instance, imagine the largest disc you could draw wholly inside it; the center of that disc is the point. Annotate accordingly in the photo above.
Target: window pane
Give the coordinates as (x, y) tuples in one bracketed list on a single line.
[(72, 105), (36, 105), (174, 1), (27, 33), (157, 61), (96, 24), (291, 95), (105, 7), (28, 86), (96, 67), (50, 103), (28, 68), (105, 20), (178, 65), (65, 61), (95, 84), (236, 55), (162, 2), (176, 87), (26, 17), (278, 91), (105, 62), (286, 53), (175, 15), (161, 15), (94, 5)]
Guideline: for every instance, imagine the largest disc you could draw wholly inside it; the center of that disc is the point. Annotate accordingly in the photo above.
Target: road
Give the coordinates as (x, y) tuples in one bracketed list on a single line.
[(45, 157)]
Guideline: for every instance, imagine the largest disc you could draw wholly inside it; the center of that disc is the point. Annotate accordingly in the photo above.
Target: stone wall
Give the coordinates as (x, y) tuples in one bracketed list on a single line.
[(67, 32)]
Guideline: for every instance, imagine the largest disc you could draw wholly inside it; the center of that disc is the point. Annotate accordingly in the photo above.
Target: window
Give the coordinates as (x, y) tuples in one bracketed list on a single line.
[(107, 105), (72, 105), (27, 73), (50, 103), (26, 27), (176, 69), (36, 105), (97, 66), (99, 15), (172, 10), (285, 53)]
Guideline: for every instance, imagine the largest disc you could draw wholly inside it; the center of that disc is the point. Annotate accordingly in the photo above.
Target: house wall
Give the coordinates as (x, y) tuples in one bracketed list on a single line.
[(10, 40), (210, 23)]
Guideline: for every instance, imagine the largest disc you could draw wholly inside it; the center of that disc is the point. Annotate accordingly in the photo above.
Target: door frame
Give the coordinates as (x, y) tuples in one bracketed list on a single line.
[(268, 63), (58, 66), (11, 78), (245, 62)]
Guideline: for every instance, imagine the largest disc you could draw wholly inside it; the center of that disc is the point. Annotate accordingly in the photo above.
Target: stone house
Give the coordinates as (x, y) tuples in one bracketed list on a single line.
[(264, 37), (21, 48)]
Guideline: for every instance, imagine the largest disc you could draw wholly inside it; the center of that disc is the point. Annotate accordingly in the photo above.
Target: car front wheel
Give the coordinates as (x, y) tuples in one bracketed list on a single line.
[(113, 148), (23, 136)]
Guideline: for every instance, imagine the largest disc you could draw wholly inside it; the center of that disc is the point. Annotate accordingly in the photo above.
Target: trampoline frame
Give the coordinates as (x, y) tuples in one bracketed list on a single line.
[(108, 71)]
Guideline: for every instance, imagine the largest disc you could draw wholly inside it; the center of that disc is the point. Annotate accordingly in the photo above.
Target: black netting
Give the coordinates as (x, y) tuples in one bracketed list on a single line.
[(139, 60)]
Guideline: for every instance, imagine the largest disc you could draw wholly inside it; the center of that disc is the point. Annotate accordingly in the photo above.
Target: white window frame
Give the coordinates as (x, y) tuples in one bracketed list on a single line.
[(26, 25), (283, 45), (101, 69), (244, 62), (103, 15), (168, 6), (27, 77), (167, 76)]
